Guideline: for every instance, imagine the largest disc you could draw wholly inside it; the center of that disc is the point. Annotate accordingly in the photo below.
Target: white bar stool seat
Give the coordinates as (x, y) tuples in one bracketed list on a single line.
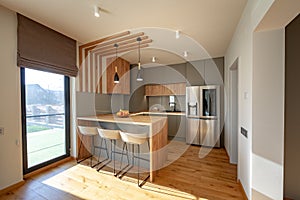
[(89, 132)]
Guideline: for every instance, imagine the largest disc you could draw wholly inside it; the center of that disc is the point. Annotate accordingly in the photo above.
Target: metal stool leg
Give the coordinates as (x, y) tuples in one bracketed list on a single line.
[(111, 154), (133, 154), (139, 152), (106, 149), (122, 155), (138, 165), (121, 169)]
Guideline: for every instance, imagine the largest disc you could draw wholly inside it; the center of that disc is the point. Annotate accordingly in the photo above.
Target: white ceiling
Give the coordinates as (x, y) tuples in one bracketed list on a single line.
[(281, 13), (209, 23)]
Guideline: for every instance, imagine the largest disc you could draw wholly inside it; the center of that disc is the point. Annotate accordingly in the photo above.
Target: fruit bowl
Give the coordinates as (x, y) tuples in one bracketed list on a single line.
[(123, 113)]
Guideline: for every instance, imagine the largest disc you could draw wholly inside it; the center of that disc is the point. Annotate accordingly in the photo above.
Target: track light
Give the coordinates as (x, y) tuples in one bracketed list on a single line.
[(177, 34), (96, 11), (185, 54), (153, 59)]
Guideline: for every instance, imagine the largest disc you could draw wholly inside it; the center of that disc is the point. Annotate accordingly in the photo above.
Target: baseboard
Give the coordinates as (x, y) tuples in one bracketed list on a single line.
[(12, 187), (53, 165), (227, 154), (242, 188)]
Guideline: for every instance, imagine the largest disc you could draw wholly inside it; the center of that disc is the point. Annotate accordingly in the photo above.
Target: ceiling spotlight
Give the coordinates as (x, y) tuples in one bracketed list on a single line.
[(177, 34), (153, 59), (185, 53), (96, 11)]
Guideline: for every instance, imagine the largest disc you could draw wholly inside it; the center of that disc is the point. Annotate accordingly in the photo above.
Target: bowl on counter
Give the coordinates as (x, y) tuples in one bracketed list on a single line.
[(123, 113)]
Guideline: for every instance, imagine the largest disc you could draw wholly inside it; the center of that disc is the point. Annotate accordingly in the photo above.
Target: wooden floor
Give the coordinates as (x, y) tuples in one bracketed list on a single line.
[(187, 177)]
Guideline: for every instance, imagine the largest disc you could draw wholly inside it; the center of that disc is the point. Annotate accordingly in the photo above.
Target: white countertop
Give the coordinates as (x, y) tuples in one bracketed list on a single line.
[(159, 113)]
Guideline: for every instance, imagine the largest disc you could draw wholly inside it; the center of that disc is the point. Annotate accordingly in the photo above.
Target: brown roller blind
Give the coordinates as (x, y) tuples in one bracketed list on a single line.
[(42, 48)]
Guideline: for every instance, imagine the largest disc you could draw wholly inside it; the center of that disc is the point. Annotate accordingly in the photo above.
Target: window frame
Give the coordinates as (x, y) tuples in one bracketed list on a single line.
[(27, 170)]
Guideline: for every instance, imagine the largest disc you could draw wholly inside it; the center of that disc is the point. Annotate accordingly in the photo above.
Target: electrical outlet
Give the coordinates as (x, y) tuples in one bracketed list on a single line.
[(1, 131), (244, 132)]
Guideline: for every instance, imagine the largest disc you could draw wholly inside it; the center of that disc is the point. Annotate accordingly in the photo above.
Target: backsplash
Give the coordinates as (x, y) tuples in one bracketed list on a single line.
[(161, 103)]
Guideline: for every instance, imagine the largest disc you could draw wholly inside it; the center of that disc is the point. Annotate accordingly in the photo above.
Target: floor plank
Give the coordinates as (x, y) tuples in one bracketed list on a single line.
[(187, 176)]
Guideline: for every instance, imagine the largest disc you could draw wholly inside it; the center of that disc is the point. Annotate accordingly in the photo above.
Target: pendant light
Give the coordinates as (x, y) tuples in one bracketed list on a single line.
[(139, 74), (116, 77)]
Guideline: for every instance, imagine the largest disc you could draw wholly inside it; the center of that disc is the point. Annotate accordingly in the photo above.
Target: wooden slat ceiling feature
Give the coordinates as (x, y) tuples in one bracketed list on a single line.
[(118, 40), (111, 46), (105, 46), (93, 43), (124, 50), (120, 48)]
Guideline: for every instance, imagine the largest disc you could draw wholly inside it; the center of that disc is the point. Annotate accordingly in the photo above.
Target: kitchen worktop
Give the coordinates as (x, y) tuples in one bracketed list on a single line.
[(160, 113), (136, 118)]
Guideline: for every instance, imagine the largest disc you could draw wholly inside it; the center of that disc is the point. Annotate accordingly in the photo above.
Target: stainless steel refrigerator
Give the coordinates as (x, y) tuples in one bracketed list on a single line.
[(203, 115)]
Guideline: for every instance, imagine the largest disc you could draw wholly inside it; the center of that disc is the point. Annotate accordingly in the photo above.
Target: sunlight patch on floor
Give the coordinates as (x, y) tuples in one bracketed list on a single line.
[(85, 182)]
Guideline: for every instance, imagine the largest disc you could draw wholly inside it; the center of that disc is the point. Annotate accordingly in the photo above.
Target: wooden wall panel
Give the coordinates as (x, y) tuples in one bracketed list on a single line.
[(123, 68)]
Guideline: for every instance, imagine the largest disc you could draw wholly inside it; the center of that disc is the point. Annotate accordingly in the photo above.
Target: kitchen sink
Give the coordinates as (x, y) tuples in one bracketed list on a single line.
[(174, 111)]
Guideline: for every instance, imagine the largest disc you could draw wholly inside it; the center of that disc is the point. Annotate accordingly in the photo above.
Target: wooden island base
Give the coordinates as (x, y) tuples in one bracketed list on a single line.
[(156, 126)]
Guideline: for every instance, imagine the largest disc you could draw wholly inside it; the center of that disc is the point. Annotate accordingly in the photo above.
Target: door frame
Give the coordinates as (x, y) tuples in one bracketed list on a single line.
[(234, 111), (24, 128)]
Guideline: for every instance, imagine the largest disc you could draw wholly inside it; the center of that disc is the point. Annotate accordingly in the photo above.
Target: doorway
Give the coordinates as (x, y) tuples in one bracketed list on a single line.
[(45, 118), (233, 113)]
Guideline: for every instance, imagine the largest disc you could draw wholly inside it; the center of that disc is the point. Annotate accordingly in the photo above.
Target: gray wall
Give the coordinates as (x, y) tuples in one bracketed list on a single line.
[(91, 104), (292, 110)]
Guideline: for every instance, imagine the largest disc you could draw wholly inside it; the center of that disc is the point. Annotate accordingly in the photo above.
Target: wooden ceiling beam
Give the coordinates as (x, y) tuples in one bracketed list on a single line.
[(123, 50), (123, 47), (131, 41), (145, 37), (112, 42), (111, 37)]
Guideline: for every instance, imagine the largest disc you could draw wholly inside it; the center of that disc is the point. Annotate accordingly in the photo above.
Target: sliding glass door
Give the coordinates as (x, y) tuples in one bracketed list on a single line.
[(45, 105)]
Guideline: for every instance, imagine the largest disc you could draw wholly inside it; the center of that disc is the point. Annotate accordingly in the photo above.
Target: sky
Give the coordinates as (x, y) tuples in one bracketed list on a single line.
[(44, 79)]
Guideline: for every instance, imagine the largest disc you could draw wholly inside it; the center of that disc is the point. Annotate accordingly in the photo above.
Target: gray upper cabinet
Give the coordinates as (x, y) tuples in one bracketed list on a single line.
[(210, 70), (180, 68), (164, 74), (214, 71), (194, 72)]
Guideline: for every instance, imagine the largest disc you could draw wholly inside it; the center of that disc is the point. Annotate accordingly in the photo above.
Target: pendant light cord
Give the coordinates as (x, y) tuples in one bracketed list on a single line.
[(139, 64), (139, 51), (204, 73), (116, 45)]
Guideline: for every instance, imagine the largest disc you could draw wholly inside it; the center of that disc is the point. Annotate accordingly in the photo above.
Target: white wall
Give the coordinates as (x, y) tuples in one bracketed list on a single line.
[(10, 111), (241, 47), (268, 113)]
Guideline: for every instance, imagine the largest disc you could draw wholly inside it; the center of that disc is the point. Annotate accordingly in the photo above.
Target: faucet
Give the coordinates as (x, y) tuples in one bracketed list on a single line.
[(173, 104)]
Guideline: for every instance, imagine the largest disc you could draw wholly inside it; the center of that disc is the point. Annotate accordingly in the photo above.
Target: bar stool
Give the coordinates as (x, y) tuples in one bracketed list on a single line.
[(135, 139), (113, 136), (90, 132)]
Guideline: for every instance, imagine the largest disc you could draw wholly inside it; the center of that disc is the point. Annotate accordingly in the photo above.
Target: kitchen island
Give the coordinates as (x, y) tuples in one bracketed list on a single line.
[(156, 126)]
